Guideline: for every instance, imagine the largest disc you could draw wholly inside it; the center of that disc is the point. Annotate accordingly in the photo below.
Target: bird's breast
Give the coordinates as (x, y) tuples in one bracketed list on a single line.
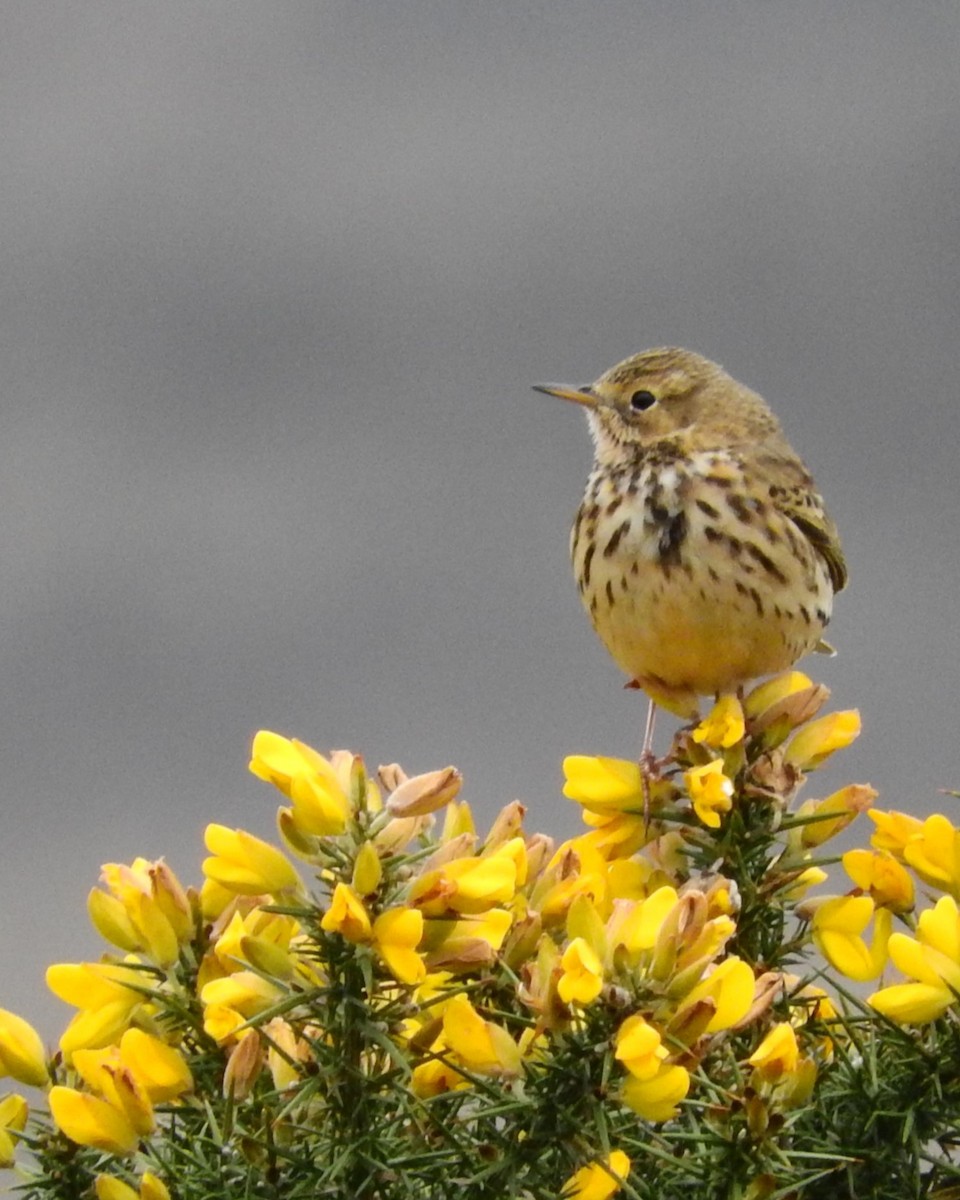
[(692, 576)]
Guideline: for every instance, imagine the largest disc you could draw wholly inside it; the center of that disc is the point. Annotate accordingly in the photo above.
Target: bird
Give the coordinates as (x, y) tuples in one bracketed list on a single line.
[(703, 552)]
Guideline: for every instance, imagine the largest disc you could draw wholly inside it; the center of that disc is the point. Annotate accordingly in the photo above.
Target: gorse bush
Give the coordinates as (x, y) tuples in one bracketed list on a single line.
[(655, 1008)]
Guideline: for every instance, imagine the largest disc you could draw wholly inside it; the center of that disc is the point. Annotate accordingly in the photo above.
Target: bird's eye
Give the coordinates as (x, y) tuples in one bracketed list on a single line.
[(641, 401)]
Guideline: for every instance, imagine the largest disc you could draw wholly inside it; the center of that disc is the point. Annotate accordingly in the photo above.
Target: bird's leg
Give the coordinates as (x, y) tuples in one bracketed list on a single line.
[(648, 761), (649, 764), (647, 758)]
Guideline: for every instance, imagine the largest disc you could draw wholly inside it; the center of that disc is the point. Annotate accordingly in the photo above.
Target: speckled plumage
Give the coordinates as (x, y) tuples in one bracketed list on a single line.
[(704, 555)]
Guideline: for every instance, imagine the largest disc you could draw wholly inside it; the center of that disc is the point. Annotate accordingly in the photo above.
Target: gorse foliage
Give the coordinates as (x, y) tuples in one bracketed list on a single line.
[(417, 1011)]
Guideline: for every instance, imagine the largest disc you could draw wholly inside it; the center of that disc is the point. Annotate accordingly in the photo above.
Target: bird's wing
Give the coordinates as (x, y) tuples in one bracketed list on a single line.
[(792, 492), (806, 510)]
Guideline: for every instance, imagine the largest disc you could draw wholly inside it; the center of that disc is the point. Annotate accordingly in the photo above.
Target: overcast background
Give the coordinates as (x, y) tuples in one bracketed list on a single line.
[(275, 280)]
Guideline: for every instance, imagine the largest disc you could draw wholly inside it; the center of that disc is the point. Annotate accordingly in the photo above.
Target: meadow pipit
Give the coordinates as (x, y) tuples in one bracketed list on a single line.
[(703, 552)]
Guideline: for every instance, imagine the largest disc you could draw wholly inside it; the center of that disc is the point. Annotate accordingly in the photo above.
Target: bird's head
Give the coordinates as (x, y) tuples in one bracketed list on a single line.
[(664, 394)]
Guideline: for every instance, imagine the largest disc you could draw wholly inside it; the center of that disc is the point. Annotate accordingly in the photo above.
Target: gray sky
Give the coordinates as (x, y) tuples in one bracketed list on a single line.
[(274, 282)]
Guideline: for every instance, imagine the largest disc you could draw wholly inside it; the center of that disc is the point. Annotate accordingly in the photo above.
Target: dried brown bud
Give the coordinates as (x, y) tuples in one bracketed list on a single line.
[(424, 793), (391, 776), (789, 712), (243, 1066), (461, 954), (766, 989), (540, 850), (509, 824)]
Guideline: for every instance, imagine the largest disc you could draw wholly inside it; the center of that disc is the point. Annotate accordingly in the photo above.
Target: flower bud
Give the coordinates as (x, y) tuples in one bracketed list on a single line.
[(818, 740)]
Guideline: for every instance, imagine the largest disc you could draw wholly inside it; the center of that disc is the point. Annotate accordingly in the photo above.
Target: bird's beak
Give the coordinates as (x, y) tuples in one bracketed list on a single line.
[(579, 395)]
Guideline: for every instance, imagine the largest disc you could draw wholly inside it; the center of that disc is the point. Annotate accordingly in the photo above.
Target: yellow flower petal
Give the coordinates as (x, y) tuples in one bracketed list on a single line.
[(245, 864), (934, 854), (396, 934), (656, 1099), (808, 748), (347, 916), (723, 726), (602, 784), (598, 1180), (778, 1054), (765, 695), (108, 1187), (158, 1067), (90, 1121), (730, 987), (639, 1047), (582, 978), (320, 802), (878, 873), (912, 1003), (21, 1051), (837, 927), (710, 791)]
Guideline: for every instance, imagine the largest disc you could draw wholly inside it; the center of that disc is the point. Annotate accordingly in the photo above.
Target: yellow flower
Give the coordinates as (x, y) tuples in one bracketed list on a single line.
[(144, 908), (124, 1083), (824, 819), (603, 784), (932, 960), (481, 1045), (14, 1111), (230, 1002), (396, 935), (781, 1069), (437, 1075), (616, 836), (894, 830), (320, 804), (582, 977), (244, 991), (467, 885), (471, 940), (808, 748), (710, 791), (107, 1187), (729, 989), (158, 1067), (723, 726), (636, 927), (347, 916), (259, 938), (214, 900), (90, 1121), (107, 994), (778, 1054), (22, 1055), (639, 1047), (934, 853), (838, 924), (576, 869), (656, 1099), (598, 1180), (879, 874), (246, 865)]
